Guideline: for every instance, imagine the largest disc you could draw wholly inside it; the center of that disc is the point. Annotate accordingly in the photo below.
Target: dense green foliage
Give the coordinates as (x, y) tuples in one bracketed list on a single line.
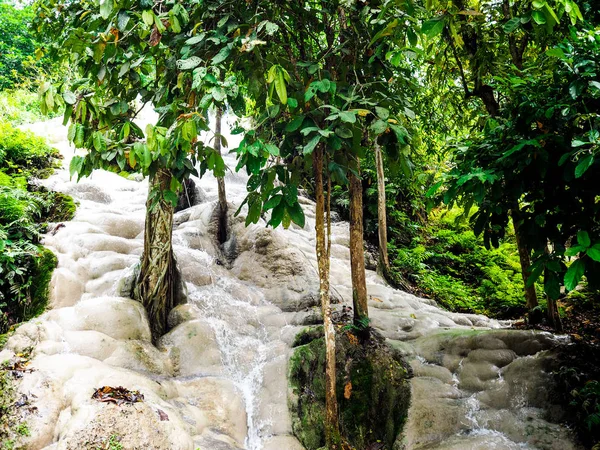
[(25, 266)]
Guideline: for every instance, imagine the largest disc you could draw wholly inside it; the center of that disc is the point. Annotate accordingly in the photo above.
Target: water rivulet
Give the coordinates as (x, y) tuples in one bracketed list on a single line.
[(218, 379)]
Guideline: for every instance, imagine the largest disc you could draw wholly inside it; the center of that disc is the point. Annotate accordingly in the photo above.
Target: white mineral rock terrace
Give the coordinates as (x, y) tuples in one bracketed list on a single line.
[(220, 374)]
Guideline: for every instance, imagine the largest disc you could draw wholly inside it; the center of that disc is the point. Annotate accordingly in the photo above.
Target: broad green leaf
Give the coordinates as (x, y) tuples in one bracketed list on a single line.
[(277, 213), (98, 141), (69, 98), (574, 274), (538, 4), (594, 253), (379, 127), (76, 165), (433, 27), (280, 87), (308, 148), (347, 116), (344, 132), (512, 25), (538, 17), (584, 165), (556, 52), (272, 149), (106, 7), (148, 17), (382, 113), (222, 55), (272, 202), (294, 124), (552, 285), (583, 238), (292, 103), (170, 197), (296, 214), (574, 250), (387, 31)]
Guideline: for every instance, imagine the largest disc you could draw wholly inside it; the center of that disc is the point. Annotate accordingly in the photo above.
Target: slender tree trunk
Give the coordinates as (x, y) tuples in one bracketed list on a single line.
[(158, 284), (381, 210), (220, 180), (222, 231), (332, 433), (531, 300), (552, 307), (357, 253)]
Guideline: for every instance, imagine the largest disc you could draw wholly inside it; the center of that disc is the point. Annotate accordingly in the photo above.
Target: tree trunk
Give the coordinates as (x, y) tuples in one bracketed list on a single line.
[(381, 210), (357, 254), (222, 231), (332, 433), (531, 300), (553, 315), (158, 283), (220, 180)]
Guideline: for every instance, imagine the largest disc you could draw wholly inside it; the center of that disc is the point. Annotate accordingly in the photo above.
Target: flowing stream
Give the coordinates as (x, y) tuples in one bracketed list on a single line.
[(217, 380)]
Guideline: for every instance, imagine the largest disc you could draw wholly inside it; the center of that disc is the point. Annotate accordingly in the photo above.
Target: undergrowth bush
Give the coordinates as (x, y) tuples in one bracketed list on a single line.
[(446, 261), (26, 266)]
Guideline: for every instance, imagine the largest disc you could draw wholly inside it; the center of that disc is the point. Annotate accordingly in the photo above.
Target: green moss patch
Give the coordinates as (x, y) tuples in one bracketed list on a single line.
[(372, 387)]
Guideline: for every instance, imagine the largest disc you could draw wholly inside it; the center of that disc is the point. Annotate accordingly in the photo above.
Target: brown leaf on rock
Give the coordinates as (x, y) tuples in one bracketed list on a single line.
[(117, 395), (162, 415)]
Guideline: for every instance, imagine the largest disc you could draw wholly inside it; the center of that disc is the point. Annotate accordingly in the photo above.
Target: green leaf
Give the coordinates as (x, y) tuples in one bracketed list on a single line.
[(277, 214), (538, 4), (574, 274), (308, 148), (106, 7), (296, 214), (433, 27), (99, 143), (272, 149), (583, 238), (69, 98), (272, 202), (76, 165), (170, 197), (222, 55), (148, 17), (344, 132), (584, 165), (574, 250), (280, 87), (538, 17), (348, 116), (292, 103), (387, 31), (594, 252), (382, 113), (294, 124), (552, 285), (512, 25), (556, 52), (379, 127)]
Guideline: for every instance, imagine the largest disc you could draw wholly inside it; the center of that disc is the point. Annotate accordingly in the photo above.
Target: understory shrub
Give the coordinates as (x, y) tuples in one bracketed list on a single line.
[(26, 266), (447, 262)]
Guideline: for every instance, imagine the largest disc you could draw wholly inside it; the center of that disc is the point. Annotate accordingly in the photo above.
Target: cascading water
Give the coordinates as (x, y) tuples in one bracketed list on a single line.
[(218, 379)]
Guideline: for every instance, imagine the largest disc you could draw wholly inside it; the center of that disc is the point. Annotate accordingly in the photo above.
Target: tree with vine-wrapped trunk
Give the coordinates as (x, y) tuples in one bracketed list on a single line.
[(130, 55)]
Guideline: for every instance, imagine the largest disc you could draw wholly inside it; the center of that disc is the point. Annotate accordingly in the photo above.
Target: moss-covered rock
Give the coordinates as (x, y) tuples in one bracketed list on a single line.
[(62, 207), (40, 288), (372, 387)]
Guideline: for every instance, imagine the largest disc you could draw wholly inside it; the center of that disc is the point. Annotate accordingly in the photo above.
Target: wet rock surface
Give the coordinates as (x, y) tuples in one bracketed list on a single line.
[(220, 374)]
